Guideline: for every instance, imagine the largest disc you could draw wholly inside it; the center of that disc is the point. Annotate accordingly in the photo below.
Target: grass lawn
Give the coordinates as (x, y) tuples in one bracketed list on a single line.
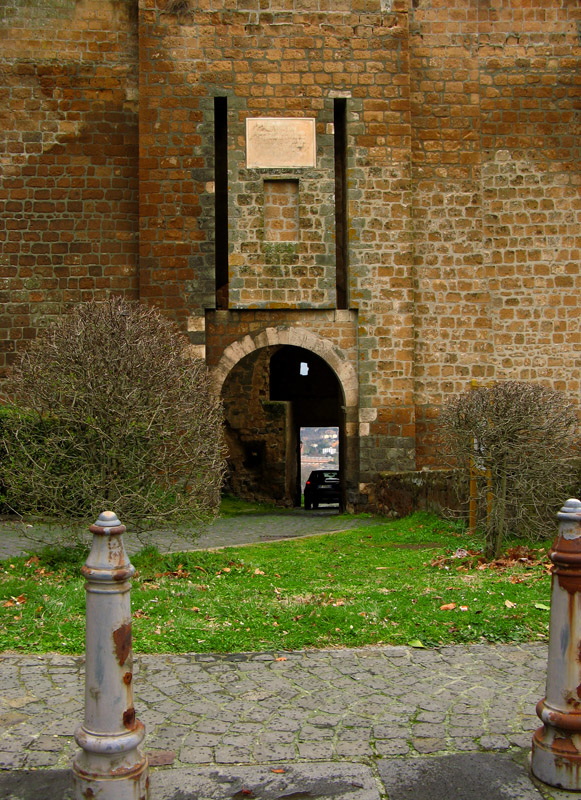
[(416, 581)]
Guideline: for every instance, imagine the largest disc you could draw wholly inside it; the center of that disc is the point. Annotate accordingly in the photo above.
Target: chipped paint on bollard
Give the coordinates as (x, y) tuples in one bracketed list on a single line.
[(556, 752), (110, 765)]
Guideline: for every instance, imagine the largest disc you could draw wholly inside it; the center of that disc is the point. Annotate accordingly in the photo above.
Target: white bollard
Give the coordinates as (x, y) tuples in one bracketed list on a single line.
[(556, 753), (110, 765)]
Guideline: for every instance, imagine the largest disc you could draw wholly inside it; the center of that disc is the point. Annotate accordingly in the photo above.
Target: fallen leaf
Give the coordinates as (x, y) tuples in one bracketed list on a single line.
[(149, 584), (195, 608), (509, 604), (15, 601), (416, 643), (32, 560), (280, 658), (542, 606), (258, 571), (278, 771), (463, 608), (380, 567), (447, 606)]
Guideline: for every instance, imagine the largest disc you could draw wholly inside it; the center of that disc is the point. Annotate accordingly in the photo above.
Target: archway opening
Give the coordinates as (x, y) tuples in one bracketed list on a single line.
[(309, 385), (268, 396)]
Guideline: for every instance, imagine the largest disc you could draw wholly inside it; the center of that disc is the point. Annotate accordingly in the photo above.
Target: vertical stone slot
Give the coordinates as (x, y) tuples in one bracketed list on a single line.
[(340, 126), (281, 211), (221, 199)]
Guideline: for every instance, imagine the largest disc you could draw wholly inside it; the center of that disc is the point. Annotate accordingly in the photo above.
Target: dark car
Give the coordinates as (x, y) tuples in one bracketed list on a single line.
[(323, 486)]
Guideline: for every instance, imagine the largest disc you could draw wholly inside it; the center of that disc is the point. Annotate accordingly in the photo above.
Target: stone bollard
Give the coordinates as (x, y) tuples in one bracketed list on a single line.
[(110, 765), (556, 752)]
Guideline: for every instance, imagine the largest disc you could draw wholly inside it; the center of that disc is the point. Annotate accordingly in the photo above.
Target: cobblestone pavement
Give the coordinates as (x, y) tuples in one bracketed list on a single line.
[(357, 705), (327, 713), (17, 538)]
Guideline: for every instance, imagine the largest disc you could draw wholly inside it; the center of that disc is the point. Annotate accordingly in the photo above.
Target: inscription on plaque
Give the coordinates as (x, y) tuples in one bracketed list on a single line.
[(274, 142)]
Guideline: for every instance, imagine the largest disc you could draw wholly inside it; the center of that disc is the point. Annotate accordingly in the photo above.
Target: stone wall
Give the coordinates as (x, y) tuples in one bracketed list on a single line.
[(495, 104), (256, 432), (68, 160), (397, 494), (436, 245)]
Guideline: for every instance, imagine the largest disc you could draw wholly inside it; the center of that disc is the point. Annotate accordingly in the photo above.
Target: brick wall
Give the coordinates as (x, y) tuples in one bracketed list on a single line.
[(496, 212), (68, 160), (461, 170)]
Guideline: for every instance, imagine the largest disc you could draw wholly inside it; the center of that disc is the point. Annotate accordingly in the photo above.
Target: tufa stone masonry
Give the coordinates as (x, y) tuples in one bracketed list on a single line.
[(385, 192)]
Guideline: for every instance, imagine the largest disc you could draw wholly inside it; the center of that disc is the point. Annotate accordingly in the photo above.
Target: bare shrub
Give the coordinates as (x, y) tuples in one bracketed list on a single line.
[(109, 412), (520, 439)]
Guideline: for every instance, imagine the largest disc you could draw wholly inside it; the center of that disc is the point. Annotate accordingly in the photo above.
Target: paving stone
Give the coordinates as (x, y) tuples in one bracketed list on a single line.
[(426, 730), (316, 751), (357, 748), (494, 742), (47, 743), (36, 784), (211, 726), (196, 755), (392, 747), (464, 744), (315, 733), (429, 745), (36, 759), (431, 716), (390, 732), (229, 754), (277, 737), (273, 752), (474, 776), (332, 781), (203, 739)]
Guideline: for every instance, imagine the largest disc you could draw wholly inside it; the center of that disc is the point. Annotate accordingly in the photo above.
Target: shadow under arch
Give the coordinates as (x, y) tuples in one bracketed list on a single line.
[(262, 345), (297, 337)]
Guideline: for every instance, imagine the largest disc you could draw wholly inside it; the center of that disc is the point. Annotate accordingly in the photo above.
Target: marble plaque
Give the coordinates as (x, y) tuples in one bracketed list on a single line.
[(275, 142)]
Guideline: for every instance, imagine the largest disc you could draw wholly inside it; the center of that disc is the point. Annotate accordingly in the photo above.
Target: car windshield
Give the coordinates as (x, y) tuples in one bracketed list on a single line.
[(324, 477)]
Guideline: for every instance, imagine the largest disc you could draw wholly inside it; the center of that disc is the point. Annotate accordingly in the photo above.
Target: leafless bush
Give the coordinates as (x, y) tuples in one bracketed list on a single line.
[(519, 439), (110, 413)]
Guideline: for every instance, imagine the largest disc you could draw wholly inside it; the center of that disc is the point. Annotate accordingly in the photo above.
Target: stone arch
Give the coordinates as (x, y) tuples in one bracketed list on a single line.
[(298, 337)]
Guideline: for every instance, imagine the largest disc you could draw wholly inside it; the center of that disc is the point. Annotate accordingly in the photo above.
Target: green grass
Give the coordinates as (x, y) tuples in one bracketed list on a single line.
[(382, 584)]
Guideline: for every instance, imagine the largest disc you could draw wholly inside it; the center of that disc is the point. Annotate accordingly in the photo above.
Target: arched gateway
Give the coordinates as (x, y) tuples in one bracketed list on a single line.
[(273, 383)]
